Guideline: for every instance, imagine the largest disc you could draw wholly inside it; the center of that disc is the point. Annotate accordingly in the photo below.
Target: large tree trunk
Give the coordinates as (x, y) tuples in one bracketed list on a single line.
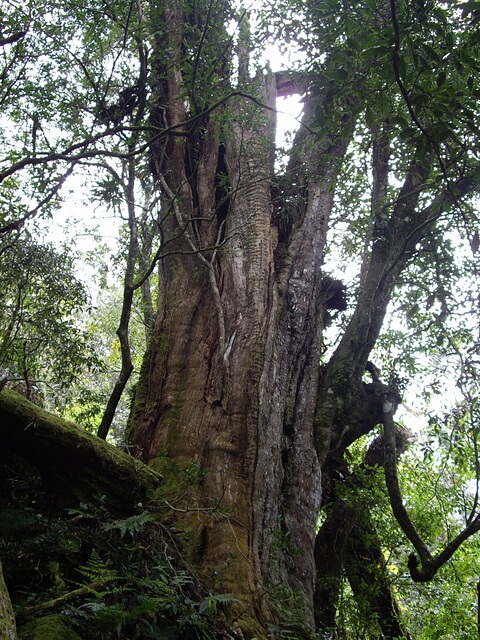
[(230, 380)]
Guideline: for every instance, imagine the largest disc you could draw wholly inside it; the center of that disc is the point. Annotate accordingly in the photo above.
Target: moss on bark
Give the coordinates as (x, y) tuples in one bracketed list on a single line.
[(7, 619)]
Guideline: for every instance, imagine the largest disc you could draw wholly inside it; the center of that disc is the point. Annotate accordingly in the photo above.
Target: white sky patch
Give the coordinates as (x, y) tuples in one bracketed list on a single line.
[(288, 118)]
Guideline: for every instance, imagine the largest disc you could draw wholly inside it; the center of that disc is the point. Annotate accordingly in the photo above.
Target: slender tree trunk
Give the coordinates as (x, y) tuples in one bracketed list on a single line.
[(127, 301)]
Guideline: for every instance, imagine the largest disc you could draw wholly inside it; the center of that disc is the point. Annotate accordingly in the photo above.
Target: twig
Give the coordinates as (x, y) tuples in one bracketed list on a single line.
[(71, 595)]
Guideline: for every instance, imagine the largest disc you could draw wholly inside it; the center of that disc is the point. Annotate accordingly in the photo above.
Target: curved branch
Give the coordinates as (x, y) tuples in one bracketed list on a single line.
[(429, 565), (393, 486)]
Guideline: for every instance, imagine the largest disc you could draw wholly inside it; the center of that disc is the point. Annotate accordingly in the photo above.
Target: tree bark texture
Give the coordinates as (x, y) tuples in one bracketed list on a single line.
[(8, 629), (230, 379), (347, 545)]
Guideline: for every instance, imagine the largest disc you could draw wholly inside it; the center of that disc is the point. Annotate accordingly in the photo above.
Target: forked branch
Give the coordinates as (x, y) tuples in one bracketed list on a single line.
[(424, 567)]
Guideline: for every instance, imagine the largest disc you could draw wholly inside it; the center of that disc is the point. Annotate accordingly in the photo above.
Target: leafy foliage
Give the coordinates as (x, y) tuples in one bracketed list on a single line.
[(130, 525), (84, 402), (440, 500), (41, 299), (143, 594)]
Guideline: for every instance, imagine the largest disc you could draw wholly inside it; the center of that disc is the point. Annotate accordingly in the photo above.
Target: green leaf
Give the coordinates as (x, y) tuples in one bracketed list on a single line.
[(430, 52), (441, 78), (370, 118), (402, 68)]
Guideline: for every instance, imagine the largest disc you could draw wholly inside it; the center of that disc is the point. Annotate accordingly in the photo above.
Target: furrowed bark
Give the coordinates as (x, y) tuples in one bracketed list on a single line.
[(293, 370), (198, 398), (229, 382)]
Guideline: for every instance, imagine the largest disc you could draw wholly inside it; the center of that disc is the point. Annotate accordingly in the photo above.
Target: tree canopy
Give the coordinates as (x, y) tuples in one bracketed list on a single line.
[(244, 318)]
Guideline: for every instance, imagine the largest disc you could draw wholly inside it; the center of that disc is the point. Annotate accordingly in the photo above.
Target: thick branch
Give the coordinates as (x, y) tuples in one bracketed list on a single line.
[(393, 487), (13, 38), (393, 247), (348, 542), (78, 465)]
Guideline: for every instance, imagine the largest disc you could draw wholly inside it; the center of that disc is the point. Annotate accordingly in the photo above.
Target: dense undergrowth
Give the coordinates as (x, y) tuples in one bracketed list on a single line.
[(77, 568)]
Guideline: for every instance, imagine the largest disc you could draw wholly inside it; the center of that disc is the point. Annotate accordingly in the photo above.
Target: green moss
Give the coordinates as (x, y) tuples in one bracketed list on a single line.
[(177, 477), (143, 404), (48, 628), (95, 467)]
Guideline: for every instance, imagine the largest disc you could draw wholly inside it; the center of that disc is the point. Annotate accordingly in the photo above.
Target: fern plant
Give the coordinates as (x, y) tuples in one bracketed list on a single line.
[(129, 526), (97, 571), (140, 590)]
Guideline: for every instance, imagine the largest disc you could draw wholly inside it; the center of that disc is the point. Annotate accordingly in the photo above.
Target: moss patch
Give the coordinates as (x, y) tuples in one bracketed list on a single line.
[(48, 628)]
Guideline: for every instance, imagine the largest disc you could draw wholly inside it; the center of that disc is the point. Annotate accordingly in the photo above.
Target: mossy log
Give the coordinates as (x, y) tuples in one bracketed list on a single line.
[(75, 465)]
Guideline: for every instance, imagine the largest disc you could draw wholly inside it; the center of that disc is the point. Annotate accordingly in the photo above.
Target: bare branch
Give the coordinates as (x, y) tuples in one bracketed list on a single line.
[(13, 38), (16, 224)]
